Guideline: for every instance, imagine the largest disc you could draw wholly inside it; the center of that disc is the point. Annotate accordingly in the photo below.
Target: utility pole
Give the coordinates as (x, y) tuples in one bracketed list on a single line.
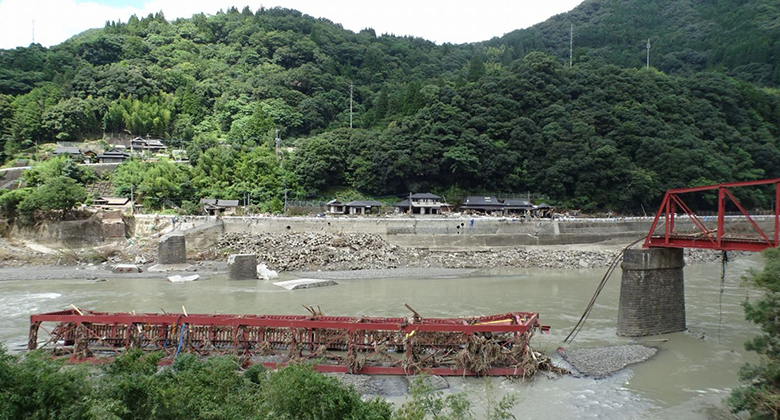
[(132, 198), (278, 146), (33, 31), (648, 53), (281, 166), (350, 104), (571, 45)]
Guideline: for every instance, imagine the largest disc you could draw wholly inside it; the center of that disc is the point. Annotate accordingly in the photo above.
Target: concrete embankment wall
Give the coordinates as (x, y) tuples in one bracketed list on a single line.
[(442, 233), (435, 233), (90, 232)]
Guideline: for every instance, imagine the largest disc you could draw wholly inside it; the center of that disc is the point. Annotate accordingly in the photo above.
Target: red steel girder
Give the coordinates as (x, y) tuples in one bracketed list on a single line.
[(370, 345), (706, 238)]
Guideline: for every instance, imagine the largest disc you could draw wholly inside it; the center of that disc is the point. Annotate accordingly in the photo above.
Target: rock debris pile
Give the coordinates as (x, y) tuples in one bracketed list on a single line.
[(313, 251), (301, 251)]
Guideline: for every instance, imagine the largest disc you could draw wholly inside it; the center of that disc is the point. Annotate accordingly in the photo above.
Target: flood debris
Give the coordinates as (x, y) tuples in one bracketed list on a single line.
[(265, 273), (183, 279), (600, 362), (125, 268), (304, 283), (294, 251)]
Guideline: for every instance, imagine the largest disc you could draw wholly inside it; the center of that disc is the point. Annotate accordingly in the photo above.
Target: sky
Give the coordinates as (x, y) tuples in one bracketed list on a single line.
[(455, 21)]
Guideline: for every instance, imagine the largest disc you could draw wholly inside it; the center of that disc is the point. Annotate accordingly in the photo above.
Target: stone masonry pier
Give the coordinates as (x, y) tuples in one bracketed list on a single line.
[(652, 293)]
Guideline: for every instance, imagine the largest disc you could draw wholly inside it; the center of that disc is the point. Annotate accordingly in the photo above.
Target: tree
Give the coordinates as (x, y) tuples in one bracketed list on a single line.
[(761, 393), (476, 67), (10, 200), (301, 393), (57, 167), (56, 194)]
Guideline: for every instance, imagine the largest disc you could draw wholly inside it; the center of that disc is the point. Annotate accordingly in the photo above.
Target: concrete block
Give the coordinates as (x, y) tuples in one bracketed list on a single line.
[(304, 283), (242, 267), (125, 268), (183, 279), (114, 230), (172, 249)]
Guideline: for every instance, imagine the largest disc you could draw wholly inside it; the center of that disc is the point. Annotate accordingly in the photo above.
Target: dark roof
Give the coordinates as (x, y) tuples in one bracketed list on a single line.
[(66, 150), (544, 206), (474, 200), (148, 143), (422, 196), (227, 203), (402, 203), (335, 202), (218, 202), (155, 143), (115, 201), (214, 202), (113, 153), (366, 203), (520, 204)]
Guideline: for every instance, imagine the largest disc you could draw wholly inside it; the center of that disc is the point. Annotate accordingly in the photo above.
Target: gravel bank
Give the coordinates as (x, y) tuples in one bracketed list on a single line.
[(100, 272), (321, 251), (600, 362), (385, 386), (388, 273), (388, 385)]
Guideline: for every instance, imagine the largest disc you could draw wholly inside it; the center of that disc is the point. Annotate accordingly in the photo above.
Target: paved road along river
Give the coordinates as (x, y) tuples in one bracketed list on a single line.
[(688, 378)]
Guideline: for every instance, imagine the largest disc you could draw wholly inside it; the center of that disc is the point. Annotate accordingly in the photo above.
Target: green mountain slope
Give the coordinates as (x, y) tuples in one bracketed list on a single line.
[(493, 116), (738, 37)]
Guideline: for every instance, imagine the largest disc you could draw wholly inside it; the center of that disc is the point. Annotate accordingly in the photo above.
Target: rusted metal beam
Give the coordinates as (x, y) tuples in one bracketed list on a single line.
[(339, 344), (704, 237)]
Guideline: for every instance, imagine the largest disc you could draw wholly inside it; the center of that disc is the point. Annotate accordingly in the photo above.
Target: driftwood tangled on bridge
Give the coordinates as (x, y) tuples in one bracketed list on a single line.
[(485, 345)]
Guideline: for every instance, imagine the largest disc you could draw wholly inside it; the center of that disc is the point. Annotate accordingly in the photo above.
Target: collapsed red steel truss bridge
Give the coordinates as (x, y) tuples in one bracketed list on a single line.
[(739, 232), (484, 345)]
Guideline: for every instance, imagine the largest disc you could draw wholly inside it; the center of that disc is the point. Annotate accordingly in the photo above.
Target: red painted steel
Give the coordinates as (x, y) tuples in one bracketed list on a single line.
[(369, 345), (718, 238)]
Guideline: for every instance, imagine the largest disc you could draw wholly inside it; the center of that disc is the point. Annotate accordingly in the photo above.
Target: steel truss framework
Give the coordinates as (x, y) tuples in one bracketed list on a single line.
[(717, 238), (369, 345)]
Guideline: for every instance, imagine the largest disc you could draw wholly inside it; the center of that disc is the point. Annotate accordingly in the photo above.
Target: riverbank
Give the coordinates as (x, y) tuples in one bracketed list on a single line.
[(310, 255), (347, 252)]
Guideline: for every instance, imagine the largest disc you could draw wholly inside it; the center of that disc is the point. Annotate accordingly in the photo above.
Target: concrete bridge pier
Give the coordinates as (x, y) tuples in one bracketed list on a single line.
[(242, 267), (652, 293), (172, 249)]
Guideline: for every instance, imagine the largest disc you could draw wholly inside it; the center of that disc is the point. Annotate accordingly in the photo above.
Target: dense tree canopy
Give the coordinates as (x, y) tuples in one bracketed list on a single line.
[(506, 115)]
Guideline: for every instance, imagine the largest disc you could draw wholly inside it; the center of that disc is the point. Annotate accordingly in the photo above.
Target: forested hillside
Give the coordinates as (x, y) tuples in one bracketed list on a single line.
[(740, 38), (494, 116)]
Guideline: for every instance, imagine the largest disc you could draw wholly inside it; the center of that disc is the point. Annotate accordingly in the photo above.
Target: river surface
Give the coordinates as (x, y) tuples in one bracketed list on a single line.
[(688, 378)]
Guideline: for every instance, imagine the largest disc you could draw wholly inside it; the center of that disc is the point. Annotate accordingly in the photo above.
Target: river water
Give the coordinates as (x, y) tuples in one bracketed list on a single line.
[(688, 378)]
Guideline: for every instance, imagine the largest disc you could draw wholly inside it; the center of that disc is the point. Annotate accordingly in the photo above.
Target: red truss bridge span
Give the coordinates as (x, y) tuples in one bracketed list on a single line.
[(677, 226), (483, 345)]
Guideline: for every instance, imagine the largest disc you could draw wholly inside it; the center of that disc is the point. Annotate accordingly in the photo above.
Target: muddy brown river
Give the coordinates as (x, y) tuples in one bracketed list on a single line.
[(688, 378)]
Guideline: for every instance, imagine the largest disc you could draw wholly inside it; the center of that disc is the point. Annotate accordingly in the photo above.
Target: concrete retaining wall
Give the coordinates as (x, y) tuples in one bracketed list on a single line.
[(66, 233), (429, 232)]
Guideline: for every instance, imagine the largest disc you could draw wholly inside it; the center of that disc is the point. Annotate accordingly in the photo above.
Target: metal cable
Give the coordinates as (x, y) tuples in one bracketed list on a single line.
[(724, 259)]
